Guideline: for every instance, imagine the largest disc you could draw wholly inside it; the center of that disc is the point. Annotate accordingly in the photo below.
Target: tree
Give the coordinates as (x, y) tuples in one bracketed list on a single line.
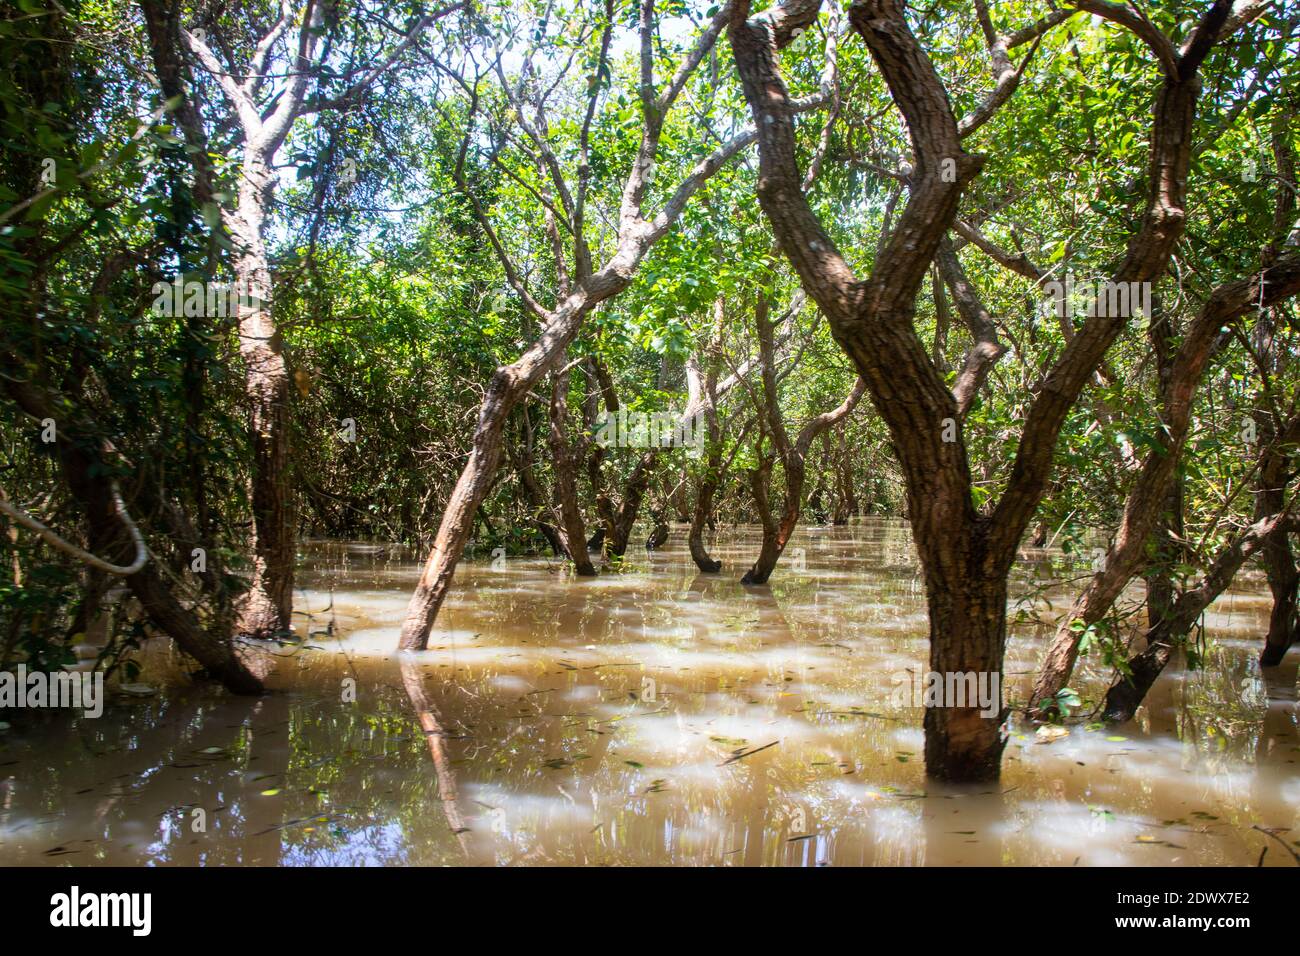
[(261, 115), (564, 193), (966, 555)]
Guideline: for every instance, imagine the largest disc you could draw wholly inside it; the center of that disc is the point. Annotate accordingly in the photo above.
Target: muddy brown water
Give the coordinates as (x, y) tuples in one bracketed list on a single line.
[(654, 716)]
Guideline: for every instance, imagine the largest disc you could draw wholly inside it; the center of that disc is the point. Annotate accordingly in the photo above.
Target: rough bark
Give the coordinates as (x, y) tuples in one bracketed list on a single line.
[(967, 634), (965, 556), (872, 322), (266, 608)]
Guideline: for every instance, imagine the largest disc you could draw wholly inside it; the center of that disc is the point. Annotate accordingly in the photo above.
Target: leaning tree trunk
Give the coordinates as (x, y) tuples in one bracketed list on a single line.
[(475, 480), (620, 521), (1144, 503), (509, 384), (1126, 694), (89, 480), (215, 652), (770, 551), (267, 606)]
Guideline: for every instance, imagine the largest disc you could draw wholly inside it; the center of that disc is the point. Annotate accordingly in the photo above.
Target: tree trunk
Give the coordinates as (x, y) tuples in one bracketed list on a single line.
[(699, 519), (1279, 561), (1144, 503), (1277, 451), (967, 635), (509, 384), (769, 553), (776, 532), (1283, 580), (266, 608), (793, 455), (705, 386), (704, 496), (1126, 694), (506, 388), (215, 652), (817, 505), (522, 462), (659, 533), (88, 479), (619, 522), (566, 483), (846, 506)]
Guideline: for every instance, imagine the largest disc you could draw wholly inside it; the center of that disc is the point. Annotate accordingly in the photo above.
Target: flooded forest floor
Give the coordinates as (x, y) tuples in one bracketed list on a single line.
[(653, 716)]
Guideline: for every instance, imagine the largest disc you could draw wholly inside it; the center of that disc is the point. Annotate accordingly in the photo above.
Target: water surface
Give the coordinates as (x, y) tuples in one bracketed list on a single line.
[(654, 716)]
